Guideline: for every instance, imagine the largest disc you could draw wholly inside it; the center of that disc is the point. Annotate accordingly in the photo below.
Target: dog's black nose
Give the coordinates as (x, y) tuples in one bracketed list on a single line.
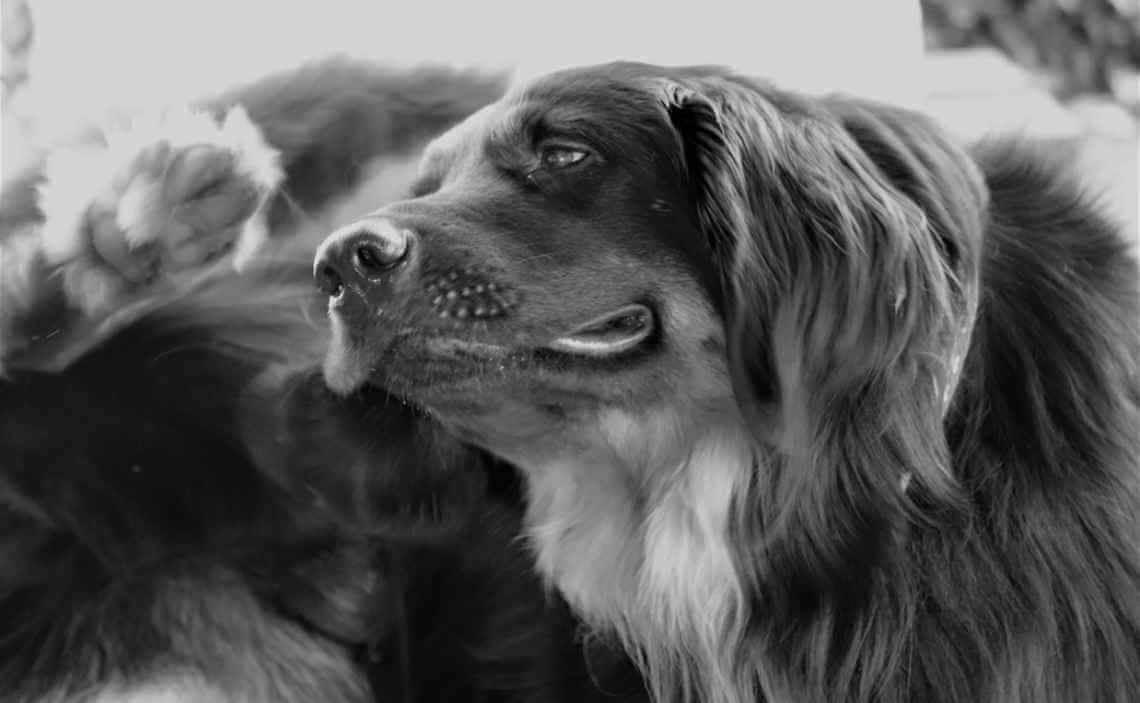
[(361, 253)]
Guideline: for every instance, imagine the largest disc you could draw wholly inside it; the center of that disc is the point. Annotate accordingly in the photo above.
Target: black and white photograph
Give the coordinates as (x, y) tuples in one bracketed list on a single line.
[(781, 351)]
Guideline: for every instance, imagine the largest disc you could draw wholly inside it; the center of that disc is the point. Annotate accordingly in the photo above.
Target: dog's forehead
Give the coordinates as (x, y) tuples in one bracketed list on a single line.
[(583, 94)]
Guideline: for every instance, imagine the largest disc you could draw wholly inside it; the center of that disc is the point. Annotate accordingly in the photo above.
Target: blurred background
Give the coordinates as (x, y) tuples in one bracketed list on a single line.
[(1063, 69)]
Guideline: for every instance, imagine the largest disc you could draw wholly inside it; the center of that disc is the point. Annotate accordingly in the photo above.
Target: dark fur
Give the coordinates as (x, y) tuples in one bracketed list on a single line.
[(187, 502), (890, 546)]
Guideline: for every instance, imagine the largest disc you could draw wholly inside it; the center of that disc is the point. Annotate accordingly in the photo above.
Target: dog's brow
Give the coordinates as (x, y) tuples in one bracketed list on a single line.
[(534, 122)]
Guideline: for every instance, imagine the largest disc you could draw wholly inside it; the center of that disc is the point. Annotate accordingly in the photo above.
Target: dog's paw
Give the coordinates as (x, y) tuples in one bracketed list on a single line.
[(162, 194)]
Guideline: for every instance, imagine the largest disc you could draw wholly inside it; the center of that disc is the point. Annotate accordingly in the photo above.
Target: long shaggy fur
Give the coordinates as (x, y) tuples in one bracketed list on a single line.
[(937, 352), (939, 349)]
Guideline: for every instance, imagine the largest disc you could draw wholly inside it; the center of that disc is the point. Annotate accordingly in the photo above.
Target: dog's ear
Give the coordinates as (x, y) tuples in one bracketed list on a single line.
[(847, 240), (924, 166)]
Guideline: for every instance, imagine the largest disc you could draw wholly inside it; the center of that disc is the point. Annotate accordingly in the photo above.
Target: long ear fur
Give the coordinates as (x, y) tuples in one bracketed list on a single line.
[(848, 239)]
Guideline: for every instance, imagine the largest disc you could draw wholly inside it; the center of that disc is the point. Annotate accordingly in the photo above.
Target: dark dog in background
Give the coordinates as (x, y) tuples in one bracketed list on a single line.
[(811, 403), (186, 513)]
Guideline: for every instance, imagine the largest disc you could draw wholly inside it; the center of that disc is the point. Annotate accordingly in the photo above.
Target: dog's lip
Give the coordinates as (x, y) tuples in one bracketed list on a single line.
[(615, 332), (455, 346)]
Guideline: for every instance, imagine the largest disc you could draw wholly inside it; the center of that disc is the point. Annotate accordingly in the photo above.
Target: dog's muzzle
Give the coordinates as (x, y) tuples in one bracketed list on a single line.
[(361, 257)]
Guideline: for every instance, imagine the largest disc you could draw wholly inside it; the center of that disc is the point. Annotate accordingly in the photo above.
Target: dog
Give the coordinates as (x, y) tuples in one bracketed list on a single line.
[(812, 403), (187, 512)]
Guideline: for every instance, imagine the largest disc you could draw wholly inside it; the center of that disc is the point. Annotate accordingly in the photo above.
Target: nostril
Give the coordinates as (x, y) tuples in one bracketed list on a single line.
[(370, 260), (330, 281), (375, 255)]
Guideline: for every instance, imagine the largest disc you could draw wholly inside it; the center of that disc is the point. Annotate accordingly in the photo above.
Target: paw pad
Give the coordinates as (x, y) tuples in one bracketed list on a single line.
[(167, 191)]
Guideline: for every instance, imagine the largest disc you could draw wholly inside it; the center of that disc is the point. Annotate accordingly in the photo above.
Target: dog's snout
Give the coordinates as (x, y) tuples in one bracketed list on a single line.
[(362, 252)]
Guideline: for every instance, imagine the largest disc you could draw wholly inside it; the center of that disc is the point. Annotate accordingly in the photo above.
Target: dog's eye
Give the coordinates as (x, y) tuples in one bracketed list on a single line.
[(562, 157)]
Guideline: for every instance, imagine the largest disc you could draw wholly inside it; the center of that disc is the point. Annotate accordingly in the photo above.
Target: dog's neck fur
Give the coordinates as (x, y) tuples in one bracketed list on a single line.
[(631, 522)]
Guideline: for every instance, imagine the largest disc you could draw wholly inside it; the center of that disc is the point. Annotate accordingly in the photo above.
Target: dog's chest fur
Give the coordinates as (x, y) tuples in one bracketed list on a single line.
[(635, 532)]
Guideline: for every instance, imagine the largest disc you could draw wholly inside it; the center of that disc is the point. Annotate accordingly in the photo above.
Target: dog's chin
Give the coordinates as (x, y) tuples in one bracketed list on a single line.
[(345, 370), (349, 362)]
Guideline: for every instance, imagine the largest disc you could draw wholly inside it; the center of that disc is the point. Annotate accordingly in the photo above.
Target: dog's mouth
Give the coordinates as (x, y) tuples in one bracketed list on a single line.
[(443, 358), (609, 335), (618, 332)]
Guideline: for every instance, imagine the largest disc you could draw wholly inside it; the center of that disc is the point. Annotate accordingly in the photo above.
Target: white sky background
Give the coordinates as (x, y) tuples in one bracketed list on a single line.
[(99, 52)]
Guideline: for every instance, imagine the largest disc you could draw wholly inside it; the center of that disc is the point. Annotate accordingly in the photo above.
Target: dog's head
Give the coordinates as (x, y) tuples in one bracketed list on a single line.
[(701, 313), (548, 257)]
